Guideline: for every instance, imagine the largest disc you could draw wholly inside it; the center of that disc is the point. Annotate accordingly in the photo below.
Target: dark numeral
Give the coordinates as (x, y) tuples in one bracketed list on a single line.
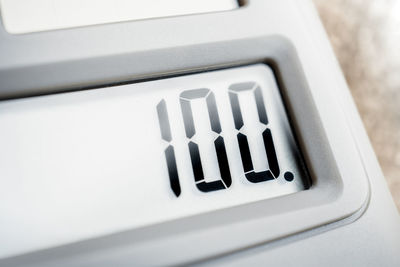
[(225, 180), (251, 175), (169, 151)]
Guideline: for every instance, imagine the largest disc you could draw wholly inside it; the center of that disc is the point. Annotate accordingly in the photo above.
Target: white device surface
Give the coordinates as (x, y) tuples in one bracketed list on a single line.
[(211, 138), (25, 16)]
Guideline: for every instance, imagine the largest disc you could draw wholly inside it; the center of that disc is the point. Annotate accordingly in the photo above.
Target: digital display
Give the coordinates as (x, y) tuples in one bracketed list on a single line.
[(86, 164), (207, 96)]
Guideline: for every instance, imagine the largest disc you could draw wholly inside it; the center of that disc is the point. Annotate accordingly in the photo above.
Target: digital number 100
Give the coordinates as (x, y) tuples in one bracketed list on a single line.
[(225, 179)]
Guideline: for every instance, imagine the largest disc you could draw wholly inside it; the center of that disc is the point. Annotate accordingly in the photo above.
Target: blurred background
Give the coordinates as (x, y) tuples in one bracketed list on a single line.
[(365, 35)]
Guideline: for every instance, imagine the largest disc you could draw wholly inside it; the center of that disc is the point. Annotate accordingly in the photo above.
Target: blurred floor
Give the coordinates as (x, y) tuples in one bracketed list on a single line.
[(365, 35)]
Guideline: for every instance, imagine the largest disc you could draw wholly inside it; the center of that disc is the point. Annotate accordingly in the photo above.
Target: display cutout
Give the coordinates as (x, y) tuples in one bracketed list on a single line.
[(85, 164)]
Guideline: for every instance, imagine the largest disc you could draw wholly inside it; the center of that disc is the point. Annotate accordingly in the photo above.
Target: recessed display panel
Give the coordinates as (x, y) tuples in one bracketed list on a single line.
[(85, 164)]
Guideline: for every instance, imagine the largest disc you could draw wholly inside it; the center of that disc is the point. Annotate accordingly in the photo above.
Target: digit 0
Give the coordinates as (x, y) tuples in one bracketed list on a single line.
[(251, 175), (225, 181)]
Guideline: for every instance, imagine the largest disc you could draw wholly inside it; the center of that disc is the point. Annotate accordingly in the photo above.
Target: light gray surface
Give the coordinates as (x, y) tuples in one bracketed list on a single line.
[(338, 192), (373, 239), (25, 16), (222, 39)]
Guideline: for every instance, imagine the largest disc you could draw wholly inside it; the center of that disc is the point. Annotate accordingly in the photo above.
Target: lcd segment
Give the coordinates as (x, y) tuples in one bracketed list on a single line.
[(86, 164)]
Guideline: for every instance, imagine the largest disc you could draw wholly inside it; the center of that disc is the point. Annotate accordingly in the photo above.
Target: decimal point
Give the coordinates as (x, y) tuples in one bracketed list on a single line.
[(288, 176)]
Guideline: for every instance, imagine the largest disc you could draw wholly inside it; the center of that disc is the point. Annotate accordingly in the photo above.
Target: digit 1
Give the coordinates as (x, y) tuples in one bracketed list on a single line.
[(251, 175), (169, 152), (225, 180)]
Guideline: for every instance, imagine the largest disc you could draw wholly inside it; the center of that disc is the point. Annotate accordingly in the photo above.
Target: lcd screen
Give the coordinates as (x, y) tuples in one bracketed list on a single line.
[(86, 164)]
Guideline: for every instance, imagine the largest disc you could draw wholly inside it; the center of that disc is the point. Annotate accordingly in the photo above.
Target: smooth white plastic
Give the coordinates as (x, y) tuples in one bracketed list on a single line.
[(25, 16)]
